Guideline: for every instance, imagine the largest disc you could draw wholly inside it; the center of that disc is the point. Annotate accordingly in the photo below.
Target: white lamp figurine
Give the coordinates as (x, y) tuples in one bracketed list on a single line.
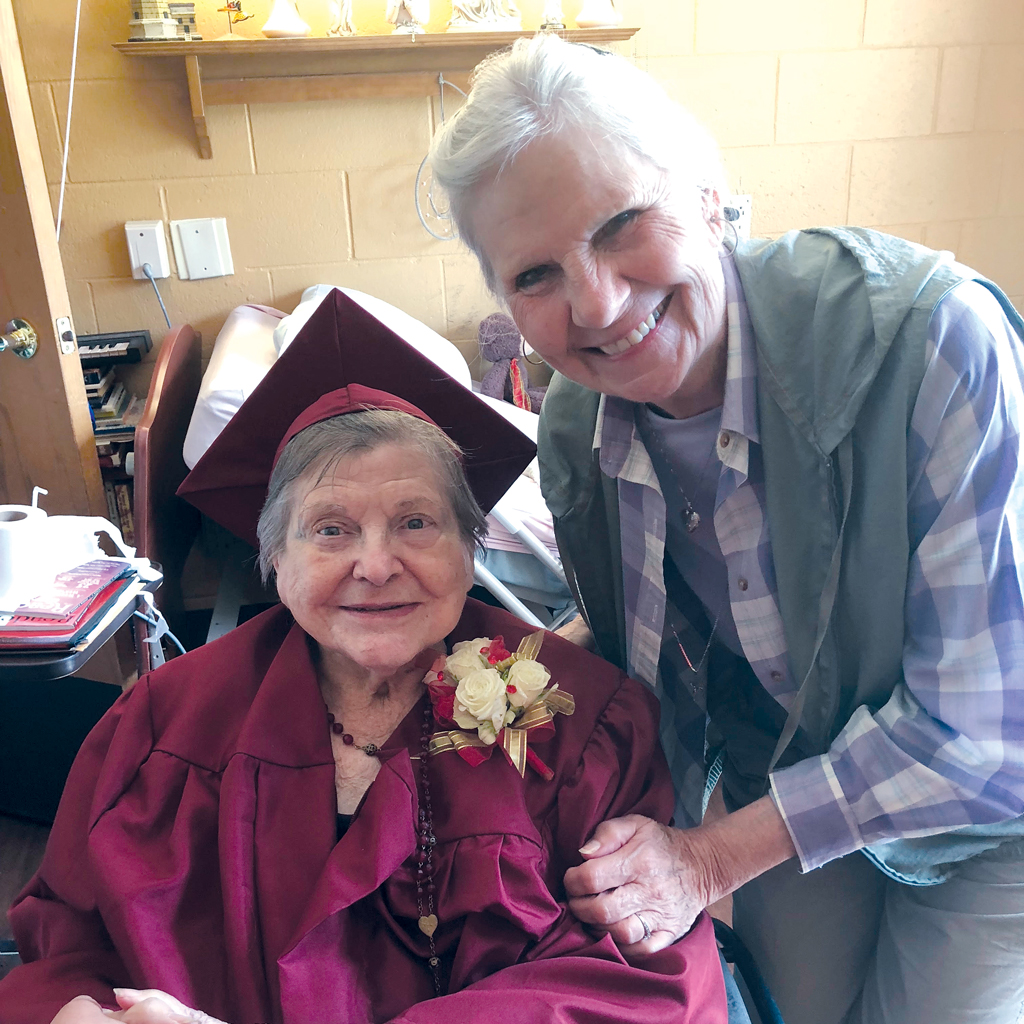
[(598, 14), (284, 22), (553, 17), (341, 18), (408, 16)]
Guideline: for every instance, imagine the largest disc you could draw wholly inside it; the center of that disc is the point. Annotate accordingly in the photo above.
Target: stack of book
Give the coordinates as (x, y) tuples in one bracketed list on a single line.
[(74, 608), (116, 413)]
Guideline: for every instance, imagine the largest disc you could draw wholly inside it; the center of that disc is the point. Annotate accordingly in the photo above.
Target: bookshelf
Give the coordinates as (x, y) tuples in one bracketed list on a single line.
[(237, 71)]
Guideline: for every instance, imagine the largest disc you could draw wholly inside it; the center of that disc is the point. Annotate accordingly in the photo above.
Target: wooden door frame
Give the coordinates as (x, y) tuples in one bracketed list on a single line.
[(46, 436)]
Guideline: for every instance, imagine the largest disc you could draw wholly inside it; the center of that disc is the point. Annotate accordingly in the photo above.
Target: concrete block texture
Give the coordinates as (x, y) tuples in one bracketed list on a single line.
[(958, 89), (793, 186), (1001, 89), (1011, 184), (856, 94), (415, 286), (735, 26), (327, 135), (384, 221), (273, 219), (938, 178), (94, 216), (467, 300), (665, 29), (141, 130), (996, 248), (904, 114), (733, 94), (942, 22)]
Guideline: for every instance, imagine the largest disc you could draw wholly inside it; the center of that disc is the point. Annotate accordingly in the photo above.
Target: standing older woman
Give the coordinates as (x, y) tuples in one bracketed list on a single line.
[(267, 828), (786, 483)]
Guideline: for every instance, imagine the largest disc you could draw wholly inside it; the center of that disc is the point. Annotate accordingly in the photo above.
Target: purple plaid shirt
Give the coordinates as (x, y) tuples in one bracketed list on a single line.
[(947, 749)]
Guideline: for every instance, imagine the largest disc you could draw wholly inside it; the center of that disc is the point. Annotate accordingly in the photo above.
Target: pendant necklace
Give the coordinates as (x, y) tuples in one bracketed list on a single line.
[(369, 749), (703, 657), (691, 517), (423, 871)]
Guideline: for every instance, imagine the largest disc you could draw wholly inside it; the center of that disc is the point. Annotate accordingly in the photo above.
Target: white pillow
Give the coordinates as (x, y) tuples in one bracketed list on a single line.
[(422, 338)]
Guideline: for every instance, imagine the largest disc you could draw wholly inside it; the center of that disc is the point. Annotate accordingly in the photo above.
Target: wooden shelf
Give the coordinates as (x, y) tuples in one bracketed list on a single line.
[(290, 70)]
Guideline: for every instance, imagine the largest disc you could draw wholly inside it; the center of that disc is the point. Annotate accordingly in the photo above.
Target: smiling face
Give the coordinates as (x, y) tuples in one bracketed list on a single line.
[(611, 270), (374, 567)]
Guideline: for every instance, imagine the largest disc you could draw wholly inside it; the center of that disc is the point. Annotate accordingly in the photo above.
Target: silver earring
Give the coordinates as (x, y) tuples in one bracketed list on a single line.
[(532, 362)]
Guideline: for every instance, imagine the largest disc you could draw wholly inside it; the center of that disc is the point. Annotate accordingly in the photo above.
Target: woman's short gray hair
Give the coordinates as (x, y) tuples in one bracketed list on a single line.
[(323, 445), (545, 86)]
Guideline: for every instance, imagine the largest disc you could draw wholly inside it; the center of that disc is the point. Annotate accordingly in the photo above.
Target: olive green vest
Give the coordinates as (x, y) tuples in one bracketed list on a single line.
[(840, 317)]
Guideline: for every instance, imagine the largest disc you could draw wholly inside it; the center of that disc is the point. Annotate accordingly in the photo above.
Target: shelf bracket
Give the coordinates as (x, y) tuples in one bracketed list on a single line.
[(195, 95)]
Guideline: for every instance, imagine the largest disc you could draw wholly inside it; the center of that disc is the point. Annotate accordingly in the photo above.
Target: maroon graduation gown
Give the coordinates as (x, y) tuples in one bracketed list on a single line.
[(195, 851)]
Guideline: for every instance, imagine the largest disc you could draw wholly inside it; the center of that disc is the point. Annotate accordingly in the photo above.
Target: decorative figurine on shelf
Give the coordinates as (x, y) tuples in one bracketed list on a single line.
[(553, 17), (408, 16), (154, 19), (598, 14), (341, 18), (235, 14), (485, 16), (284, 21), (507, 380)]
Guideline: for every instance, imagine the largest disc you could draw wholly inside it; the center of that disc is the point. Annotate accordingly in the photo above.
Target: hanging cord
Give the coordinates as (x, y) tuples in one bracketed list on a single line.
[(439, 214), (67, 126), (148, 271), (155, 624)]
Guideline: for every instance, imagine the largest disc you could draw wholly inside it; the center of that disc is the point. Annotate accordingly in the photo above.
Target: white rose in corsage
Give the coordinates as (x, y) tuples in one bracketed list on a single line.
[(480, 703), (526, 682), (496, 698), (466, 657)]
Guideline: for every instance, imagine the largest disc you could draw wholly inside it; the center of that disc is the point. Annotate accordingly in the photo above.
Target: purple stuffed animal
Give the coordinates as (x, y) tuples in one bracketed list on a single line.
[(500, 344)]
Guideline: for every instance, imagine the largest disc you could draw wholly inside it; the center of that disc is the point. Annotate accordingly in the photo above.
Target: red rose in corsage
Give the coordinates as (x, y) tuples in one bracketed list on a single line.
[(496, 699)]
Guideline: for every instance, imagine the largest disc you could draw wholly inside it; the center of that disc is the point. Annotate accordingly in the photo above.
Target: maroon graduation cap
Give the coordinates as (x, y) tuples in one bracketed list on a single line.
[(340, 345)]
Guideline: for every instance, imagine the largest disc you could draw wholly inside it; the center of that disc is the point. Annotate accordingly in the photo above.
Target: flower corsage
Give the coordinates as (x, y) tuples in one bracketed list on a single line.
[(496, 699)]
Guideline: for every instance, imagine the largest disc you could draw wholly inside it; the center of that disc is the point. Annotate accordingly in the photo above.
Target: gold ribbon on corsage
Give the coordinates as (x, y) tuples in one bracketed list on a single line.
[(535, 720)]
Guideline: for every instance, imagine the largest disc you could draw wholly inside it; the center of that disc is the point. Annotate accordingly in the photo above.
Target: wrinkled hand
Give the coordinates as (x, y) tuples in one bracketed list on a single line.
[(576, 631), (667, 875), (149, 1006), (637, 866), (162, 1008)]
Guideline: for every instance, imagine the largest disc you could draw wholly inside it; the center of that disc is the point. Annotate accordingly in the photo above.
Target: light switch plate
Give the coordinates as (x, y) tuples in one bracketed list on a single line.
[(201, 247), (147, 244)]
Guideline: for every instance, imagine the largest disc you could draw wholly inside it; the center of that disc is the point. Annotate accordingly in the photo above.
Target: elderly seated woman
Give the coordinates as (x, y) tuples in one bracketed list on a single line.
[(280, 827)]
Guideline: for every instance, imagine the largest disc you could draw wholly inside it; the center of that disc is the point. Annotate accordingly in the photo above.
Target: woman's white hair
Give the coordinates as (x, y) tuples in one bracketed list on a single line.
[(547, 86)]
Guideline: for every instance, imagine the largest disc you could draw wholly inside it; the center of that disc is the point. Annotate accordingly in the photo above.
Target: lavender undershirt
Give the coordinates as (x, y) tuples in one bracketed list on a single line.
[(683, 456)]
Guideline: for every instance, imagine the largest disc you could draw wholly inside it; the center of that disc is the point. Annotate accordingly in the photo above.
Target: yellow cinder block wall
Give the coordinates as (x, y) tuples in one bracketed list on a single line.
[(902, 114)]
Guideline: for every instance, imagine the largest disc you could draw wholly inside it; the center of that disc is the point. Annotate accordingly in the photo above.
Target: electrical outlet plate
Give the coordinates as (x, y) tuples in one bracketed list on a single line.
[(743, 205), (147, 244), (201, 248)]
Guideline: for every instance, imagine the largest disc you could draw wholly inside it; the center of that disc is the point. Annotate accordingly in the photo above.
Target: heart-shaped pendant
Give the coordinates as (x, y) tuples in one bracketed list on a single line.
[(428, 924)]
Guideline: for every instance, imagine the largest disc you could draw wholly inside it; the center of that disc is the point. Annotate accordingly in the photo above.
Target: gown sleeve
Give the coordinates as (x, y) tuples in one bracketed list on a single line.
[(574, 975), (60, 934)]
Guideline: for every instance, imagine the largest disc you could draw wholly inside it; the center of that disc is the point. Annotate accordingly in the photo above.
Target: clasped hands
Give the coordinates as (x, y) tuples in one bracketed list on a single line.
[(137, 1006), (638, 872), (642, 877)]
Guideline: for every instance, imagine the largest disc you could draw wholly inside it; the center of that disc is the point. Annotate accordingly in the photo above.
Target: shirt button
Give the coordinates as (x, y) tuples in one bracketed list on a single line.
[(742, 583), (723, 439), (776, 675)]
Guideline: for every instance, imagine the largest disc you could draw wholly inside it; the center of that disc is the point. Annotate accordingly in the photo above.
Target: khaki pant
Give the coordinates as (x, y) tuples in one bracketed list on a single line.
[(847, 945)]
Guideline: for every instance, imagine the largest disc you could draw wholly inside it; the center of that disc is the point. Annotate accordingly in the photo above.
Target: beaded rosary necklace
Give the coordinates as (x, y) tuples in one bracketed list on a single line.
[(425, 839)]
